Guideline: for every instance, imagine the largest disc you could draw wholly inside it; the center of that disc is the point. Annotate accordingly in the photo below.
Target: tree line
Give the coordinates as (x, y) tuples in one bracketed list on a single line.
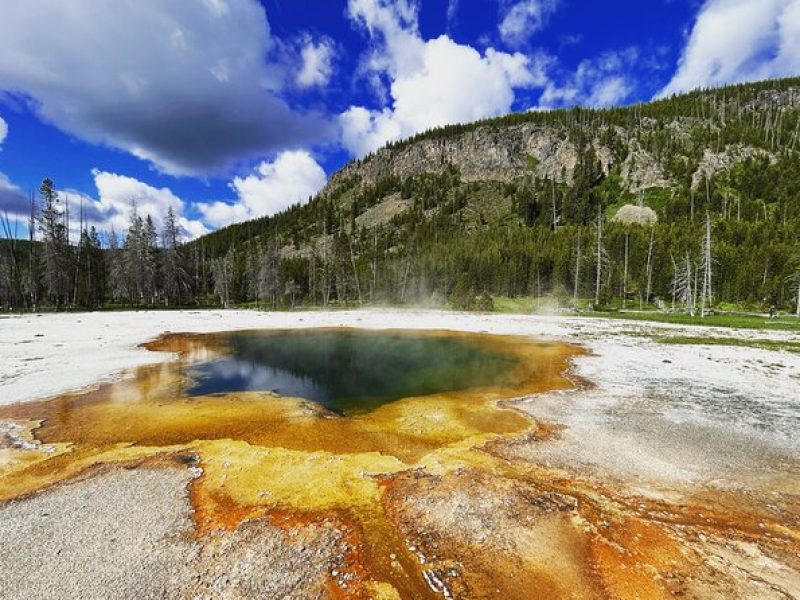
[(445, 248), (142, 267)]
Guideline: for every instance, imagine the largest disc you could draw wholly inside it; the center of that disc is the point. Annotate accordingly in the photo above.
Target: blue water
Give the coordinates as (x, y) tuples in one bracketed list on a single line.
[(349, 371)]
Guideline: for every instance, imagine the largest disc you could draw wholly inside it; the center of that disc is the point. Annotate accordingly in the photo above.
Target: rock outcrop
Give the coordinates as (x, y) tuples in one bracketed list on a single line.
[(630, 214), (713, 162), (487, 153), (641, 170), (505, 152)]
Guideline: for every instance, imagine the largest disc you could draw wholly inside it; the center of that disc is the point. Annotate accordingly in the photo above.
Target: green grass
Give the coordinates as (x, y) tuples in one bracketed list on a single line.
[(528, 305), (716, 320), (522, 305), (724, 341)]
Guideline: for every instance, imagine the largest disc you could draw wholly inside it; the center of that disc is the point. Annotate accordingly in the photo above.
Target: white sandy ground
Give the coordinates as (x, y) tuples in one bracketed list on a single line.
[(717, 415)]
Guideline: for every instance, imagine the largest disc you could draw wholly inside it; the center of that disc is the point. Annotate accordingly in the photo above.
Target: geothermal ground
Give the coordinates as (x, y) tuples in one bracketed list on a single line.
[(642, 470)]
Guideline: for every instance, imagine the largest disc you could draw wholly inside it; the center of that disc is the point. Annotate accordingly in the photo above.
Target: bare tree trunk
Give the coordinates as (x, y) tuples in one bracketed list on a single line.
[(625, 274), (739, 207), (649, 268), (78, 261), (674, 281), (355, 269), (577, 269), (797, 312), (405, 280), (374, 267), (690, 294), (707, 292), (326, 266), (10, 236), (31, 257), (598, 279)]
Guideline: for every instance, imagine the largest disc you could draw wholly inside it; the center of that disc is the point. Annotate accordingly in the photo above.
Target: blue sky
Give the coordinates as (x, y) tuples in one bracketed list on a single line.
[(226, 110)]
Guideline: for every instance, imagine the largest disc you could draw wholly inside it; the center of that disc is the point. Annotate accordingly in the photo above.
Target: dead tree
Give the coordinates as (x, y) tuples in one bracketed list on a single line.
[(601, 257), (649, 266), (706, 262), (794, 281), (625, 272), (577, 268), (222, 270), (683, 284)]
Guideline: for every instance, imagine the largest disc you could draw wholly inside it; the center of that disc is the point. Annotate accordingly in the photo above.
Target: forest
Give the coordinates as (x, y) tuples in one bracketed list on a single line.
[(724, 238)]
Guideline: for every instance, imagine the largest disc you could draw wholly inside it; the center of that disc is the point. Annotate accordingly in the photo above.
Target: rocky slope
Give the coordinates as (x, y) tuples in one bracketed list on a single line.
[(622, 139)]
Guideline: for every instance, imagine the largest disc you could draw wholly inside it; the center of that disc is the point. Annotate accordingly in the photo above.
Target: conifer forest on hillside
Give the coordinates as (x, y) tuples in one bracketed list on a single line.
[(690, 203)]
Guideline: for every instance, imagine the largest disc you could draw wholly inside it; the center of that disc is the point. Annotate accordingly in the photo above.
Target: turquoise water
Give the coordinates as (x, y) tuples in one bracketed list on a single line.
[(349, 371)]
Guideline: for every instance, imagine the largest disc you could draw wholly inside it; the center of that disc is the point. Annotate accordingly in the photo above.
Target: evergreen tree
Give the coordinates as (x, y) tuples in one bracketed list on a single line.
[(56, 251), (176, 284)]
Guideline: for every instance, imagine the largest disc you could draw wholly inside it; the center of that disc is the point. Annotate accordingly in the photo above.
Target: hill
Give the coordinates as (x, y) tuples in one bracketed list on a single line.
[(510, 206), (690, 202)]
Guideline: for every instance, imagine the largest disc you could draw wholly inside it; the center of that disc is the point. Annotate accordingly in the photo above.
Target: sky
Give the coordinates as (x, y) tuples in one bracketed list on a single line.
[(227, 110)]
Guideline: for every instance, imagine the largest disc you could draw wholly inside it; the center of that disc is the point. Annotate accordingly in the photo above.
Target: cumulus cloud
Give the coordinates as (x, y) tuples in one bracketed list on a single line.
[(117, 195), (739, 40), (431, 82), (317, 63), (599, 82), (524, 18), (182, 84), (292, 177), (111, 209), (3, 130)]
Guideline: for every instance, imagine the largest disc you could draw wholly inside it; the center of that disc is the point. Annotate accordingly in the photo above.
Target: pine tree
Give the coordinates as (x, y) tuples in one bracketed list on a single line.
[(148, 251), (222, 269), (176, 286), (119, 279), (55, 257), (269, 274)]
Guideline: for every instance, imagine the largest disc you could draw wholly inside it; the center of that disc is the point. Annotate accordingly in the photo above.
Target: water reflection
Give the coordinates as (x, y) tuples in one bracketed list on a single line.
[(348, 371)]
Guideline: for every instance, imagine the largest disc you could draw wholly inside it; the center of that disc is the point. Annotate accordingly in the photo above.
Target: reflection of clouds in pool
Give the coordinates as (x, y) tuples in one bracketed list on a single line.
[(349, 371), (232, 375)]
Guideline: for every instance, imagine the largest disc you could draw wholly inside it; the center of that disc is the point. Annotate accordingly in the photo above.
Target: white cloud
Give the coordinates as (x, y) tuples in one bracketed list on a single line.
[(524, 18), (599, 82), (12, 199), (192, 87), (3, 130), (452, 11), (117, 195), (292, 177), (317, 66), (609, 92), (364, 131), (431, 82), (739, 40)]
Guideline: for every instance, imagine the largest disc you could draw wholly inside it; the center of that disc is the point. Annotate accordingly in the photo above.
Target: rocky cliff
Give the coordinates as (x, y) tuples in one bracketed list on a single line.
[(633, 144)]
